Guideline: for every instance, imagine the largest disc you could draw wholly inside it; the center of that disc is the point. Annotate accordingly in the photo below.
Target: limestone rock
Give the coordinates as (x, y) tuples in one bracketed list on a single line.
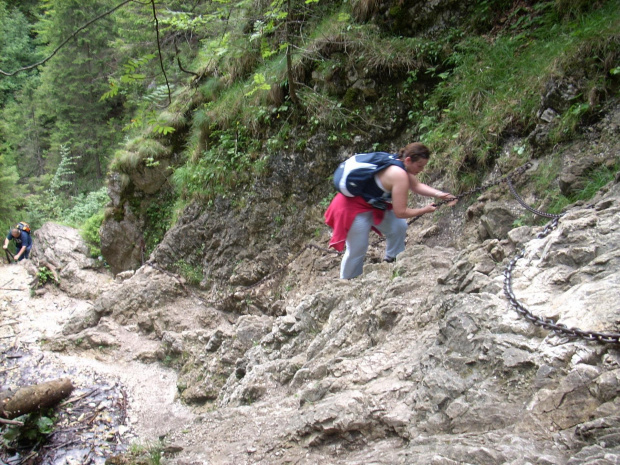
[(81, 276)]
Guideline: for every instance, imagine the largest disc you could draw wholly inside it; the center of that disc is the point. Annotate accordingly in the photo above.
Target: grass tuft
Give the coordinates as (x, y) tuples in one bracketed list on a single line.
[(495, 86)]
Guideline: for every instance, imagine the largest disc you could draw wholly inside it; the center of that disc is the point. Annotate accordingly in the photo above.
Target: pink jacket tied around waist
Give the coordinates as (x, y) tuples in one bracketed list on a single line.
[(341, 213)]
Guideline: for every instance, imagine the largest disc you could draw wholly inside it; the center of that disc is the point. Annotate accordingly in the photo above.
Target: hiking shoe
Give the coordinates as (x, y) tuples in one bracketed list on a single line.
[(389, 259)]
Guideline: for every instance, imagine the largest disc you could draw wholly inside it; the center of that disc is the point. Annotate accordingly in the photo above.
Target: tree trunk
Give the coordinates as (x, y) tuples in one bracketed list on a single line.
[(32, 398), (36, 146), (292, 91)]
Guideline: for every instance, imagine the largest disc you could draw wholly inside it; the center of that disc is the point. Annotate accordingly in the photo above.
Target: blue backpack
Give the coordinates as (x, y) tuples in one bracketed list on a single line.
[(355, 176)]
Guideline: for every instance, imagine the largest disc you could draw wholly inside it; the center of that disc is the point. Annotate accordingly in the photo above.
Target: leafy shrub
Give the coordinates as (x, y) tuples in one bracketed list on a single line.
[(192, 273), (45, 275), (219, 169), (90, 233), (85, 206), (36, 427), (159, 217)]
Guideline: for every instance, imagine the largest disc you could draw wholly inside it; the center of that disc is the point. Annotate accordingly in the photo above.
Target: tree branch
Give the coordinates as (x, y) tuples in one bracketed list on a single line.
[(161, 61), (11, 422), (185, 70), (176, 51), (25, 68)]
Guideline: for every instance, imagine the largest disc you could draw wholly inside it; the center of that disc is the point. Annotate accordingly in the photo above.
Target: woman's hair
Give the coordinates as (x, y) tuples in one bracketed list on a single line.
[(415, 151)]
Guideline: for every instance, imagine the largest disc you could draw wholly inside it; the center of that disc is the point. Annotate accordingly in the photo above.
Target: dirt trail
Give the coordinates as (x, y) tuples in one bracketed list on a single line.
[(128, 399)]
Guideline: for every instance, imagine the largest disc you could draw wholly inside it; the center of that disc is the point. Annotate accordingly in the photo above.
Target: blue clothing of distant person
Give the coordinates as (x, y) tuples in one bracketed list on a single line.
[(23, 243)]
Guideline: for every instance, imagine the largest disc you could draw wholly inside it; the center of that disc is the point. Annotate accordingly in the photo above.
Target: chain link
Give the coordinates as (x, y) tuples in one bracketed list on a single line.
[(548, 323), (475, 190), (479, 189), (525, 205)]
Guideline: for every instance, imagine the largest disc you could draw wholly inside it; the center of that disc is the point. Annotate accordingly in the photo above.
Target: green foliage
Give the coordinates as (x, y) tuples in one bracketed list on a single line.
[(35, 429), (545, 182), (73, 211), (17, 48), (497, 85), (86, 206), (67, 95), (45, 275), (159, 216), (151, 118), (595, 180), (465, 91), (9, 192), (546, 176), (139, 150), (219, 169), (147, 453), (569, 123), (125, 161), (571, 8), (259, 83), (324, 203), (396, 273), (129, 76), (61, 184), (210, 89), (486, 12), (64, 172), (193, 274), (90, 233)]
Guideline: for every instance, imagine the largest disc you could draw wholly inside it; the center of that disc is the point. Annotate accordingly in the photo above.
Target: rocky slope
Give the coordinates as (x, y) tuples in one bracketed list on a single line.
[(420, 361)]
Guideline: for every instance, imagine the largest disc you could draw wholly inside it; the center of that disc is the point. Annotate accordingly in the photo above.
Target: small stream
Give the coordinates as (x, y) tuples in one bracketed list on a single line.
[(115, 403), (88, 426)]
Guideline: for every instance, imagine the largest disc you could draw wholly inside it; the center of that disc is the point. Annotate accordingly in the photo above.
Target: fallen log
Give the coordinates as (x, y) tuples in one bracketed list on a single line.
[(32, 398)]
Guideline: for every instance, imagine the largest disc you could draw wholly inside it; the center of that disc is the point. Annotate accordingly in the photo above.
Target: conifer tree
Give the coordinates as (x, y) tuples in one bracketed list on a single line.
[(73, 82)]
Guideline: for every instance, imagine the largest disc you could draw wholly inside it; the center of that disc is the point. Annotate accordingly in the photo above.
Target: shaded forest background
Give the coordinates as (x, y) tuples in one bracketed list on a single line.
[(207, 93)]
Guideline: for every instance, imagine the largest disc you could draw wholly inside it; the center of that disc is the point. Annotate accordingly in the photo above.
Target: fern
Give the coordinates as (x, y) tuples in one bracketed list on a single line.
[(130, 75)]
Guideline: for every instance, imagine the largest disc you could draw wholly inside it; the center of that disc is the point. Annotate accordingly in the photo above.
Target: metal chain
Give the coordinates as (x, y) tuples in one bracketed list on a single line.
[(547, 323), (525, 205), (482, 188)]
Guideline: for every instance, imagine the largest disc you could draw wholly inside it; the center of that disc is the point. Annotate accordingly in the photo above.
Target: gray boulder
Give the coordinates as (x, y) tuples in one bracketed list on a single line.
[(62, 248)]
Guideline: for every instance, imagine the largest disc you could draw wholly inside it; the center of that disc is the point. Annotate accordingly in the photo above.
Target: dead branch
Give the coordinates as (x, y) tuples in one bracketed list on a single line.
[(4, 370), (78, 397), (32, 398), (11, 422)]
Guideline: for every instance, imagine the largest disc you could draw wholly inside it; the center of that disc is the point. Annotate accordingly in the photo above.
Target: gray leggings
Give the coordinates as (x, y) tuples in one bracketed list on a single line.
[(394, 229)]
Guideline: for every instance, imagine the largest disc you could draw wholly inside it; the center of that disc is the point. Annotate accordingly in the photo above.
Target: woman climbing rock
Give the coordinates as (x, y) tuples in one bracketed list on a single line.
[(373, 193)]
